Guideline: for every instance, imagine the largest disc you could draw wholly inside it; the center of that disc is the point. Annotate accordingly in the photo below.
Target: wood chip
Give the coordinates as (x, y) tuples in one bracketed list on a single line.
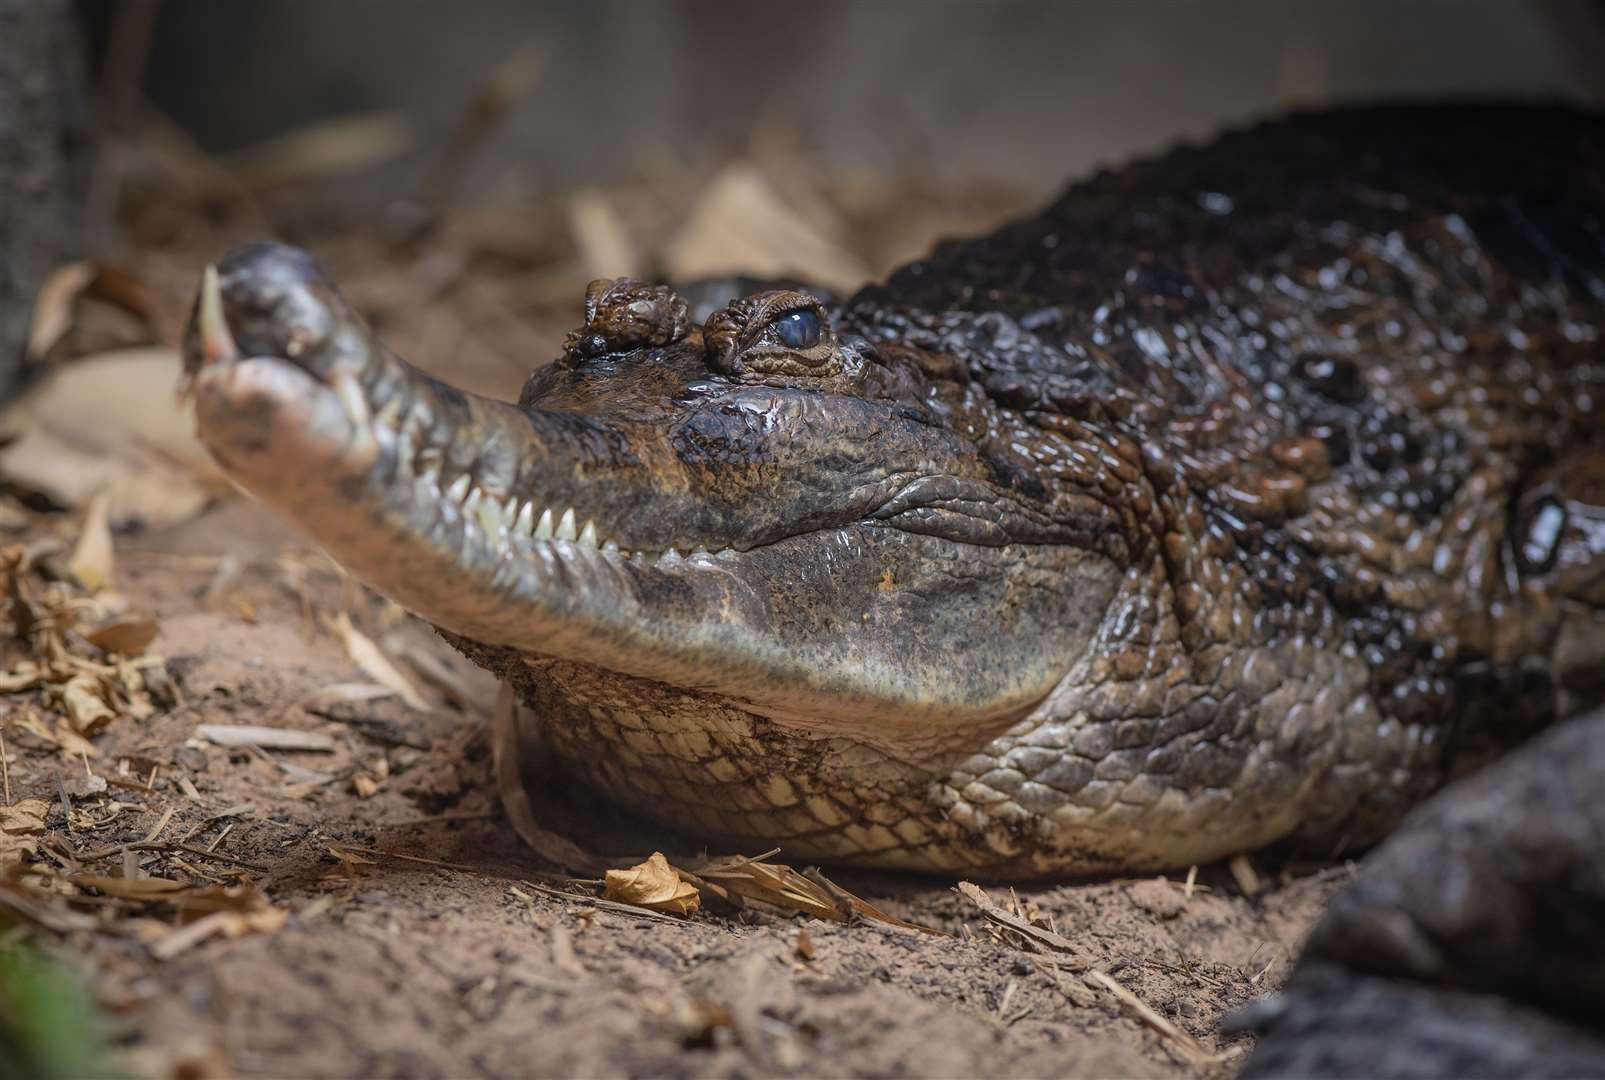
[(92, 562), (1243, 872), (374, 663), (266, 737)]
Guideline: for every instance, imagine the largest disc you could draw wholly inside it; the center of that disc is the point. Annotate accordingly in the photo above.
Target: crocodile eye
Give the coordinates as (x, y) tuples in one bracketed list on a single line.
[(799, 329), (778, 332)]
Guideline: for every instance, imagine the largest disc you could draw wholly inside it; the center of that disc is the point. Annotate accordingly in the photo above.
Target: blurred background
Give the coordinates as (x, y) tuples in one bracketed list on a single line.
[(1023, 92), (464, 169)]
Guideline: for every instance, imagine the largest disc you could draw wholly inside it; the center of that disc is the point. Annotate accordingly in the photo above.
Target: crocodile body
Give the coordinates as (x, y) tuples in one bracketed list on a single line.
[(1244, 494)]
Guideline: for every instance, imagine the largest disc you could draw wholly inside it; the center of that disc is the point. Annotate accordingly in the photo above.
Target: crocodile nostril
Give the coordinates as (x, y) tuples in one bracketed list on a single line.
[(277, 300)]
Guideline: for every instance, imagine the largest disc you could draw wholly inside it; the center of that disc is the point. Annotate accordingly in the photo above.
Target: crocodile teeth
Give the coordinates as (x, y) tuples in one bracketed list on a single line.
[(352, 400), (588, 534), (217, 343), (610, 548), (566, 529), (543, 531), (490, 515), (524, 524), (459, 489), (390, 414)]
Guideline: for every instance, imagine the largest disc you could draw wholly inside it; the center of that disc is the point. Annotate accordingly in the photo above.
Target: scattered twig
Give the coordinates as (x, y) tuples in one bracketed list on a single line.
[(66, 801), (96, 854), (1039, 938), (167, 816), (1190, 1049)]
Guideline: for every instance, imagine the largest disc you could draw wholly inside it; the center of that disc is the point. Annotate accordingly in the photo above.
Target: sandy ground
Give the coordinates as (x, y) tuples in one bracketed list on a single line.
[(435, 948), (365, 909)]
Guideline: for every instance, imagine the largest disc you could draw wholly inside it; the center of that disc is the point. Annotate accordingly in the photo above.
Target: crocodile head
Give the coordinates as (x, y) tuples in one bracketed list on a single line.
[(758, 509), (833, 539)]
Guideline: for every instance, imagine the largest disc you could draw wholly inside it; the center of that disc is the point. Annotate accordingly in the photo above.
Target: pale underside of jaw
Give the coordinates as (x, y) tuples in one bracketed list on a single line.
[(395, 496)]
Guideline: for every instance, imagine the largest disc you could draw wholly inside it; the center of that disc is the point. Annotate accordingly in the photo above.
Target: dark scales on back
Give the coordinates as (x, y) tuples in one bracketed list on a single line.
[(1242, 495)]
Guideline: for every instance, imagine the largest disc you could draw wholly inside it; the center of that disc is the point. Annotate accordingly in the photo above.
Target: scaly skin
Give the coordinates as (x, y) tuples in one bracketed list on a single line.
[(1242, 495)]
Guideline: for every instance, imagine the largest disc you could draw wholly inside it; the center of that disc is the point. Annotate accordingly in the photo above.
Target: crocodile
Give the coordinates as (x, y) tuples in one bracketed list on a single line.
[(1244, 495)]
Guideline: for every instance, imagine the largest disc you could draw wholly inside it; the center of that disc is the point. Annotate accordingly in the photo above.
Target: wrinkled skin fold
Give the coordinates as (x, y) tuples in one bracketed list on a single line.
[(1217, 505)]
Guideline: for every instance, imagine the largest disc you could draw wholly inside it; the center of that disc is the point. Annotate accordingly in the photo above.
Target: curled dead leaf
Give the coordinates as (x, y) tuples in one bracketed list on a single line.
[(654, 885), (84, 698), (127, 636), (20, 823), (109, 423)]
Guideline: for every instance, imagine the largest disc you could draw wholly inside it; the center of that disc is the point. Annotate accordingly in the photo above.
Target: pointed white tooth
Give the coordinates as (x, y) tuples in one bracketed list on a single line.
[(217, 344), (429, 480), (490, 516), (352, 401), (672, 555), (459, 488), (565, 526), (404, 462), (588, 534), (543, 529), (611, 548), (524, 524), (391, 413)]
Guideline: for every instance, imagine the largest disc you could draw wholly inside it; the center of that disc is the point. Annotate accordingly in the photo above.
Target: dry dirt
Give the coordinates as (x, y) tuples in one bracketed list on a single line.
[(407, 966), (394, 925)]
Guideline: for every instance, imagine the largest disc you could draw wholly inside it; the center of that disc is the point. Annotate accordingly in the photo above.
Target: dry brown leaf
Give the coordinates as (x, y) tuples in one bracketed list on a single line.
[(741, 225), (654, 885), (739, 880), (53, 306), (514, 737), (603, 242), (374, 663), (337, 145), (20, 823), (92, 560), (127, 636), (110, 423)]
